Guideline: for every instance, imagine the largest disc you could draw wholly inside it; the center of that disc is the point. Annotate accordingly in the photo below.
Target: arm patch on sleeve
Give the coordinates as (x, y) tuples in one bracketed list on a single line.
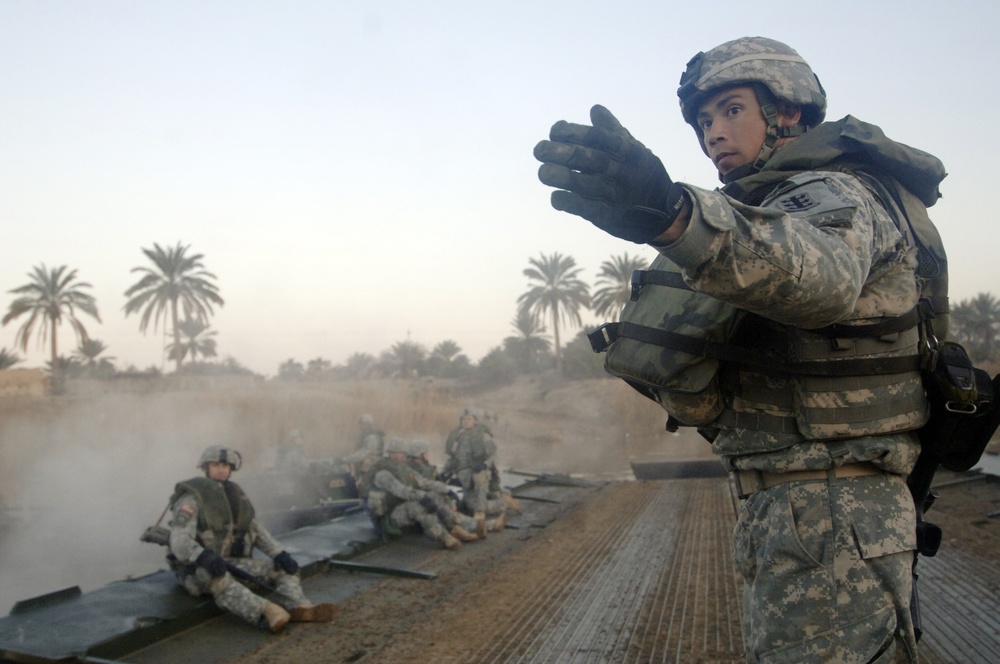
[(184, 513), (797, 202)]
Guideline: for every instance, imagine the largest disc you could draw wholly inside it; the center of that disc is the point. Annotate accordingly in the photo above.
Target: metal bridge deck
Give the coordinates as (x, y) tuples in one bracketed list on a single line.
[(653, 581)]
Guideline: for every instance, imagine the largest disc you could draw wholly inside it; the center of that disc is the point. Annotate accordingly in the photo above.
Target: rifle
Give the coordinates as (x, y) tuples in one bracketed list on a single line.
[(247, 576)]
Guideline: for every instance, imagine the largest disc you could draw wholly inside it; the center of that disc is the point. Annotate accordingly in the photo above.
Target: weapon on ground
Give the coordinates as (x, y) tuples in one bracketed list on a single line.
[(380, 569)]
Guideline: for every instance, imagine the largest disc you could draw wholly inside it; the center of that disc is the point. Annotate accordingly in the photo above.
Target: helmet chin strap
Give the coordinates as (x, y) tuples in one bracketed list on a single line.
[(774, 132)]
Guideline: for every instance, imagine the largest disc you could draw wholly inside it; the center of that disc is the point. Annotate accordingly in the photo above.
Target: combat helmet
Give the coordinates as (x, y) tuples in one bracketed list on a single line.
[(417, 448), (395, 445), (766, 65), (222, 454)]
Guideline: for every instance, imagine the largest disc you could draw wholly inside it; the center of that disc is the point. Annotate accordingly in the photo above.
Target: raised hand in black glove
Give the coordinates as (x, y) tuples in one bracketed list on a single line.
[(429, 504), (212, 563), (610, 179), (285, 561)]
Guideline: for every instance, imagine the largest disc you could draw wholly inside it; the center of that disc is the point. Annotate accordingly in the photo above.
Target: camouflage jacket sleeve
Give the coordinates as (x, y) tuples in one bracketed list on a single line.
[(369, 447), (426, 484), (385, 481), (804, 258), (264, 540), (184, 529)]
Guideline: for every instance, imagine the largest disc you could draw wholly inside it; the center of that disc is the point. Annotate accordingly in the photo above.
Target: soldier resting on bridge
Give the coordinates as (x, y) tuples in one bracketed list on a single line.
[(212, 536)]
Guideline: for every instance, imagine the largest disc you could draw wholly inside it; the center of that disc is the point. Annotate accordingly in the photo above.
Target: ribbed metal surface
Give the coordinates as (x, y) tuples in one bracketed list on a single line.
[(960, 606), (658, 585)]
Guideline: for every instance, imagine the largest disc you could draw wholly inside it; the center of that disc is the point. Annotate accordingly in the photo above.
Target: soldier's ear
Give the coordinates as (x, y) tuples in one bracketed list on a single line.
[(789, 114)]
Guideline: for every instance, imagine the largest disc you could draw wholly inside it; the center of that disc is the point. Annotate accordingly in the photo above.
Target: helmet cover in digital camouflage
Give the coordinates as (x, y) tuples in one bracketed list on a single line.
[(396, 445), (749, 61), (417, 448), (222, 454)]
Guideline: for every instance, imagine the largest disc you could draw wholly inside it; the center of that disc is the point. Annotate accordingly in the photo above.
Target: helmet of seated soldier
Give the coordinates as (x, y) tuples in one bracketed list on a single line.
[(222, 454)]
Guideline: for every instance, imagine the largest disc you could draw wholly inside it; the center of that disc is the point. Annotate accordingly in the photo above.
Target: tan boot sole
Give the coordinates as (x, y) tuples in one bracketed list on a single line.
[(463, 535), (276, 618), (316, 613)]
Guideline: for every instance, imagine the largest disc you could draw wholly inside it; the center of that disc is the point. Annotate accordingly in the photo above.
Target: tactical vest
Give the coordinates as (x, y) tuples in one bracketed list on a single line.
[(425, 470), (222, 526), (400, 471), (475, 438), (713, 366)]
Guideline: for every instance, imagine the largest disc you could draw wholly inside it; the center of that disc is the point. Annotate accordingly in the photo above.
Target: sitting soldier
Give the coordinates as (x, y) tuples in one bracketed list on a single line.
[(418, 458), (212, 536), (405, 499)]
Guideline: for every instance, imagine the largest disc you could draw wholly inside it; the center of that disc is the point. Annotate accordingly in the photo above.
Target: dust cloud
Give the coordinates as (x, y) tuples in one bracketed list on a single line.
[(84, 474)]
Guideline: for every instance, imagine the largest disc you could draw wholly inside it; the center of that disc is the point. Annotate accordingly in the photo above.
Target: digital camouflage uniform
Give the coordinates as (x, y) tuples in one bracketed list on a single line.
[(233, 538), (831, 560), (471, 457), (417, 459), (796, 241), (369, 449), (402, 489)]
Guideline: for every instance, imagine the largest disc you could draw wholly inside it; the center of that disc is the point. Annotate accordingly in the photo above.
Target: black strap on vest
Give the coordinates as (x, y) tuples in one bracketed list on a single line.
[(605, 335)]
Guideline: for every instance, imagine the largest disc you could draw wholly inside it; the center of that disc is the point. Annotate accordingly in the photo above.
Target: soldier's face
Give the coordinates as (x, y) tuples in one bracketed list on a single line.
[(733, 126), (219, 470), (468, 421)]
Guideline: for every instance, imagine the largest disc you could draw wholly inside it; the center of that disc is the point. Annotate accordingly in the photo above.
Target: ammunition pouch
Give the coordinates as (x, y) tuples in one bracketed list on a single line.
[(664, 341), (964, 415)]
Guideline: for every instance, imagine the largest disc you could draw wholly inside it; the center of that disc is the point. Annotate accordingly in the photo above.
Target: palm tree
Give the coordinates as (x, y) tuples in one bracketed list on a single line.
[(358, 365), (48, 298), (614, 281), (558, 291), (290, 369), (86, 355), (8, 359), (444, 357), (406, 358), (529, 346), (318, 366), (175, 278), (197, 340)]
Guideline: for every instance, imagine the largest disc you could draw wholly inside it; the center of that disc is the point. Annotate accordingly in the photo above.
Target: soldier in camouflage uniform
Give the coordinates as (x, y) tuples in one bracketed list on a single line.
[(807, 257), (408, 499), (418, 458), (472, 461), (370, 447), (213, 531)]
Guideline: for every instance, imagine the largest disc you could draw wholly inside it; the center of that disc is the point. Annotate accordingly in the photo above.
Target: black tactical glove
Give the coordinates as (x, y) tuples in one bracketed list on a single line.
[(429, 504), (284, 561), (479, 467), (212, 563), (609, 178)]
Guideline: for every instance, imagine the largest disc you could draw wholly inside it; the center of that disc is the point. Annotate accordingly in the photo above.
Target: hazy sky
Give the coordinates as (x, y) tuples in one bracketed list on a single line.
[(357, 173)]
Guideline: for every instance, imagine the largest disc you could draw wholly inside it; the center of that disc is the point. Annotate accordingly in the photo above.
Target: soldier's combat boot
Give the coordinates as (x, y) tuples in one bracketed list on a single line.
[(463, 535), (276, 617), (309, 612), (512, 503), (480, 518), (450, 542), (499, 523)]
